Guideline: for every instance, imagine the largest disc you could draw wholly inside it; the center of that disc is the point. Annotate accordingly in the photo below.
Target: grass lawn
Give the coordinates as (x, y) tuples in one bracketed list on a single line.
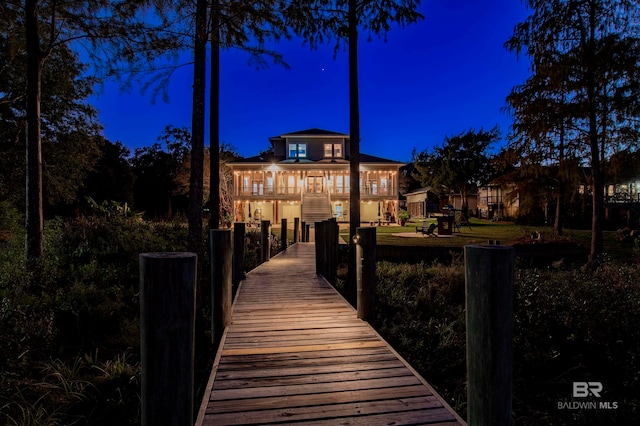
[(481, 231)]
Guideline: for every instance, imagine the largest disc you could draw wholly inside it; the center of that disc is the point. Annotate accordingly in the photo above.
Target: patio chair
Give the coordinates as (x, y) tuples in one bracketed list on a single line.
[(429, 230)]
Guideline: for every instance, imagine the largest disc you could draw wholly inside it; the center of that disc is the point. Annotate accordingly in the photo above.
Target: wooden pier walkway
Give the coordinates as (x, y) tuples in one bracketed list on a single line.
[(296, 353)]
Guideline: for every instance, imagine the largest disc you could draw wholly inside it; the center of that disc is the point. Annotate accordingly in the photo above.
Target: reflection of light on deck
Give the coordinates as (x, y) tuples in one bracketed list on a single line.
[(296, 347)]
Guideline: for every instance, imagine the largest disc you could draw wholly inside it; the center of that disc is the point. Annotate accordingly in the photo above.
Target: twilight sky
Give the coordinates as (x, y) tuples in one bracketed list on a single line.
[(440, 77)]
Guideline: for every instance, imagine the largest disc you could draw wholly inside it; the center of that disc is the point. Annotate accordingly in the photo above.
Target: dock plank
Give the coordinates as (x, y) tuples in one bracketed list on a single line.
[(296, 352)]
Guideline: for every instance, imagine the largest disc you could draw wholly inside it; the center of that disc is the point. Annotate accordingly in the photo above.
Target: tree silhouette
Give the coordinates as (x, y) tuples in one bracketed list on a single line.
[(587, 52)]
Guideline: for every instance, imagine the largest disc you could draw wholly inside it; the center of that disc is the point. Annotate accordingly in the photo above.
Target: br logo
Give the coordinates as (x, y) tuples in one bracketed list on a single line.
[(585, 389)]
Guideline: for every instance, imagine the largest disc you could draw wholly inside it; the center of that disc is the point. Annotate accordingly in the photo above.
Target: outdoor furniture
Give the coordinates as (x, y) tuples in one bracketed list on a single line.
[(427, 229), (423, 227)]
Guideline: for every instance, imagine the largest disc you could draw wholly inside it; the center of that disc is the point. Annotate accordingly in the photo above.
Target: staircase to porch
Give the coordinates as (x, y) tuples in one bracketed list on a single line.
[(315, 208)]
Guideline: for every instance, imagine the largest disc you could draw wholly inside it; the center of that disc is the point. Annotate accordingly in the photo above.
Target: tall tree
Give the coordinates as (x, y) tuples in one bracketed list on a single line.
[(593, 45), (318, 21), (48, 24), (541, 133), (460, 165), (194, 238), (69, 128), (225, 205), (35, 56)]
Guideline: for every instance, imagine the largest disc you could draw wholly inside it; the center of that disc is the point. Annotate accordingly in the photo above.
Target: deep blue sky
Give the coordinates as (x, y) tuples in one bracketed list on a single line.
[(440, 77)]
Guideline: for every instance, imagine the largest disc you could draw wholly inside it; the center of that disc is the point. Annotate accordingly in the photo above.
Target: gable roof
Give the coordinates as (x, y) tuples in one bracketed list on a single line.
[(366, 158), (313, 132), (422, 190)]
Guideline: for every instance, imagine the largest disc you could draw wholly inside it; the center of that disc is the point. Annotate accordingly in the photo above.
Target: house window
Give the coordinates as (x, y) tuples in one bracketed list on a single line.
[(340, 184), (257, 187), (269, 184), (297, 150), (291, 184), (332, 150), (245, 185)]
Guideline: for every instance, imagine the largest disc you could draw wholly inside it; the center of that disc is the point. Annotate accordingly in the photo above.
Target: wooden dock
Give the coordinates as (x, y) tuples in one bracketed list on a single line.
[(296, 353)]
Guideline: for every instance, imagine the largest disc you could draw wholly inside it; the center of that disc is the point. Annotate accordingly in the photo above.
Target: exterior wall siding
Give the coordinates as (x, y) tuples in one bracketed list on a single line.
[(282, 183)]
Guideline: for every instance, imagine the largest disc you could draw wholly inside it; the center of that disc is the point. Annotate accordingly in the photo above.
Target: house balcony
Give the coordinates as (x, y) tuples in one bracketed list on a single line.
[(622, 198), (294, 193)]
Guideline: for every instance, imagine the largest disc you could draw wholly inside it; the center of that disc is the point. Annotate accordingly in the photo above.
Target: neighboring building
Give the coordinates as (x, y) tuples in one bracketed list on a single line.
[(622, 203), (495, 201), (306, 175), (422, 202)]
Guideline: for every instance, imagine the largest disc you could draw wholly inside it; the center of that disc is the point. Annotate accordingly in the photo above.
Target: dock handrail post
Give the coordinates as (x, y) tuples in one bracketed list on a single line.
[(303, 227), (283, 234), (265, 244), (239, 235), (489, 282), (221, 272), (319, 233), (167, 327), (333, 250), (366, 272), (296, 229)]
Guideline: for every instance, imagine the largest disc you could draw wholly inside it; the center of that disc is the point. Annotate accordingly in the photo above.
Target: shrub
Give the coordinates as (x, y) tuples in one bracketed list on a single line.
[(420, 312), (82, 296), (569, 325), (577, 325)]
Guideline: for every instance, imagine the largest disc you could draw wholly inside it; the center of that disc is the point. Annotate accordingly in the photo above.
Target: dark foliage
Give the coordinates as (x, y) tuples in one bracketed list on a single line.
[(570, 325)]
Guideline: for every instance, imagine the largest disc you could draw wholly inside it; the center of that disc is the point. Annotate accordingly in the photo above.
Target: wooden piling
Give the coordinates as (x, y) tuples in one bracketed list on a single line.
[(239, 235), (489, 278), (221, 273), (319, 234), (167, 320), (265, 243), (366, 272), (283, 234), (332, 249)]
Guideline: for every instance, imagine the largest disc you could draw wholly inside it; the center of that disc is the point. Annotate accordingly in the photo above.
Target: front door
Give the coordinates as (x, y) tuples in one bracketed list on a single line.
[(314, 184)]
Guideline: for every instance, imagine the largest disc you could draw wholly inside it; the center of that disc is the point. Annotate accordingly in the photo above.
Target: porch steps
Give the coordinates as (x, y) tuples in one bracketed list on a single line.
[(315, 208)]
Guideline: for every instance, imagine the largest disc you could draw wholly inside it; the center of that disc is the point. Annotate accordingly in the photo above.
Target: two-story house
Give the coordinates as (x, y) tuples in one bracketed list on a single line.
[(306, 175)]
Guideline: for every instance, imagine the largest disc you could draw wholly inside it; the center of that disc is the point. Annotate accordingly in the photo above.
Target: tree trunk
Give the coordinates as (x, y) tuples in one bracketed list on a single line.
[(214, 119), (557, 224), (194, 239), (34, 215), (597, 180), (354, 143), (597, 240)]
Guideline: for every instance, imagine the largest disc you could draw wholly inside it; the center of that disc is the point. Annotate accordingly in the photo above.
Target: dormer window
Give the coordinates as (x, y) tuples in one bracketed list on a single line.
[(332, 150), (297, 150)]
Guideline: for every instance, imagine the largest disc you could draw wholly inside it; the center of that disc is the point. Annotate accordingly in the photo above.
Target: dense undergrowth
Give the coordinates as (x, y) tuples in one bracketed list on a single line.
[(69, 326), (70, 334), (569, 325)]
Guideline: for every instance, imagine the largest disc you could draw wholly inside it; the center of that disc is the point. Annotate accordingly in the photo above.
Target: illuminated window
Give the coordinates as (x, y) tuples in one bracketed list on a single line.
[(332, 150), (297, 150)]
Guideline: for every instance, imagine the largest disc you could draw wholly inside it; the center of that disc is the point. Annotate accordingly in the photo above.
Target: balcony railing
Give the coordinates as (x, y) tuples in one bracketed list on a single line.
[(284, 191)]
